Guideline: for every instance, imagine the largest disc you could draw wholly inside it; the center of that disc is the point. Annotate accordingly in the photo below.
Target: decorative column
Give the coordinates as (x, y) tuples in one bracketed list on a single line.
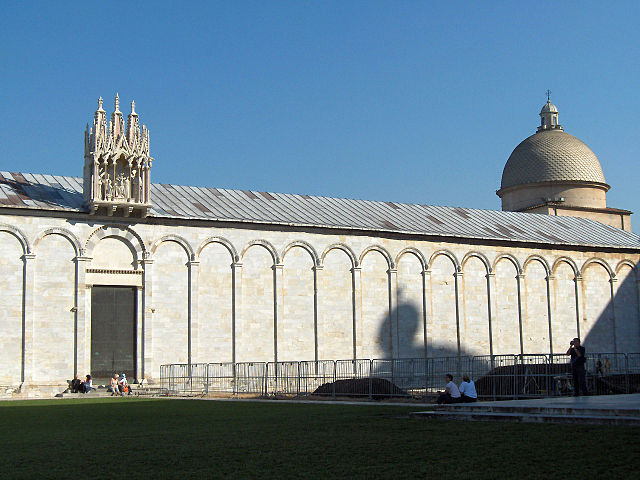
[(457, 280), (82, 319), (192, 312), (28, 306), (519, 282), (612, 287), (146, 345), (356, 298), (549, 279), (278, 304), (492, 306), (394, 323), (579, 289), (236, 304), (317, 312), (426, 309)]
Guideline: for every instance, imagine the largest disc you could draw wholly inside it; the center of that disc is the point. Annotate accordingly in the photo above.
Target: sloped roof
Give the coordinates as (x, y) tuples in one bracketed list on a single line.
[(61, 193)]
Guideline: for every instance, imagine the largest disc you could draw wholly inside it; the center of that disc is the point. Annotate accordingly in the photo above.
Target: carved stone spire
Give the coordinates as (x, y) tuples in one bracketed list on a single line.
[(117, 164)]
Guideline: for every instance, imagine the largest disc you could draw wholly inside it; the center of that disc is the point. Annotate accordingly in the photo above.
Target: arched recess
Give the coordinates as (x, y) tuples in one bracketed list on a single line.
[(303, 245), (123, 232), (221, 241), (20, 236), (170, 300), (536, 312), (336, 303), (63, 232), (565, 300), (626, 307), (443, 326), (255, 329), (55, 281), (377, 248), (409, 316), (345, 248), (13, 247), (186, 246), (474, 326), (267, 246), (598, 322), (506, 323), (374, 335), (215, 300), (297, 327)]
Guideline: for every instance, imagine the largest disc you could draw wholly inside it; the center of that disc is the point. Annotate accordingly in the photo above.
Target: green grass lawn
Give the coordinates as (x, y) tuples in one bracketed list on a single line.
[(136, 438)]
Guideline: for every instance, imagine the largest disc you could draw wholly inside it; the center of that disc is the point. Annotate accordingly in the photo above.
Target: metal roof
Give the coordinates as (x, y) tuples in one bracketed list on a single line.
[(52, 192)]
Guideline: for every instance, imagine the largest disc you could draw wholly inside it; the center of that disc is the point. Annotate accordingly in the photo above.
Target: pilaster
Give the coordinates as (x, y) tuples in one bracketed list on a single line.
[(28, 305), (278, 304), (457, 280), (520, 282), (82, 318), (492, 305), (394, 321), (612, 287), (550, 281), (192, 314), (356, 296), (146, 320), (579, 289), (236, 304), (317, 313), (426, 309)]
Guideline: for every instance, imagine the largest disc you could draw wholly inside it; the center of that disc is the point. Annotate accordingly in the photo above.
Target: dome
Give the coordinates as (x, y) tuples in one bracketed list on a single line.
[(552, 156), (549, 108)]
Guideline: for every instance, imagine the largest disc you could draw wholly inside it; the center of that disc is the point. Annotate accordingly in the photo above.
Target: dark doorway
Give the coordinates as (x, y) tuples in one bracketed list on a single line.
[(113, 332)]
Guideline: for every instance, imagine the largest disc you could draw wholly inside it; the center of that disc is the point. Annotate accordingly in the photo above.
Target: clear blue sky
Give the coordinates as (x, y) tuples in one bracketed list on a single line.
[(417, 102)]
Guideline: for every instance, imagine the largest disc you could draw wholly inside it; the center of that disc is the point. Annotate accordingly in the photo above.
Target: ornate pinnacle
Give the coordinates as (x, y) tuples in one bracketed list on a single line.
[(117, 103), (133, 107), (100, 103)]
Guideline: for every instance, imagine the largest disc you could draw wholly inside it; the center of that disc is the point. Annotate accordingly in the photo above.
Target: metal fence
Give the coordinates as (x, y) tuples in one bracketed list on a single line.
[(495, 376)]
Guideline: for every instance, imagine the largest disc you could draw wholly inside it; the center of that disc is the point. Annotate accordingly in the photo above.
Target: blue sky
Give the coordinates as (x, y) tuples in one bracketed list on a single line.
[(418, 102)]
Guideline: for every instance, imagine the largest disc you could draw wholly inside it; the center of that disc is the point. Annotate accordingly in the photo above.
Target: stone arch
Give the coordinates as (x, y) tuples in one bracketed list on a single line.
[(173, 238), (222, 241), (600, 262), (479, 256), (537, 258), (511, 258), (121, 231), (266, 245), (412, 251), (629, 264), (20, 236), (344, 248), (381, 250), (447, 253), (304, 245), (568, 261), (63, 232)]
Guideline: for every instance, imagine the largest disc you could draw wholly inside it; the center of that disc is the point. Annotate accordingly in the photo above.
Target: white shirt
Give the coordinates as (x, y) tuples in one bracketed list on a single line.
[(453, 390), (469, 389)]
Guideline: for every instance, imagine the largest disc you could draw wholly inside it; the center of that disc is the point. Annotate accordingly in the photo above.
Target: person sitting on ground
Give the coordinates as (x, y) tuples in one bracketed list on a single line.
[(113, 388), (468, 392), (451, 393), (123, 387), (75, 385), (87, 385)]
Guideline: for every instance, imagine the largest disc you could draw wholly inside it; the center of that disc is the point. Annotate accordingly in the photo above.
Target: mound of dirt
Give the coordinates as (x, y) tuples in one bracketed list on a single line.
[(359, 387)]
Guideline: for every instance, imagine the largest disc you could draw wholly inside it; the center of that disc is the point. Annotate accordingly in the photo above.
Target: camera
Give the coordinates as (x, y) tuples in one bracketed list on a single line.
[(571, 343)]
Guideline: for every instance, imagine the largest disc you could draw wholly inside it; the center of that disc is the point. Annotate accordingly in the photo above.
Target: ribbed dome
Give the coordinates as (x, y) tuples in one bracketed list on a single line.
[(551, 156), (549, 108)]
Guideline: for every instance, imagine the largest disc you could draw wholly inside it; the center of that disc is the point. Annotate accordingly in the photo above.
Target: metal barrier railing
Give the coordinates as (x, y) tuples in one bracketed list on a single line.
[(495, 376)]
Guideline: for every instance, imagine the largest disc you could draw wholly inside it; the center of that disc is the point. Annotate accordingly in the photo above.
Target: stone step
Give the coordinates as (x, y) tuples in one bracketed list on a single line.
[(542, 410), (528, 418)]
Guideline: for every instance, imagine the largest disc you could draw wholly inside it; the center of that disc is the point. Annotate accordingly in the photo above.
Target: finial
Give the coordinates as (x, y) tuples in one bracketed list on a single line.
[(117, 102), (100, 103), (133, 107), (548, 96)]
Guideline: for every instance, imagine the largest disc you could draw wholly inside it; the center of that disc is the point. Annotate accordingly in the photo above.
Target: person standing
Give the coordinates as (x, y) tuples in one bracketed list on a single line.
[(578, 361), (467, 389)]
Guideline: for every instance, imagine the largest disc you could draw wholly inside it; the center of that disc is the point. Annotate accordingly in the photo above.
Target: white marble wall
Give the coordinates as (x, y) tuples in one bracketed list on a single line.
[(225, 294)]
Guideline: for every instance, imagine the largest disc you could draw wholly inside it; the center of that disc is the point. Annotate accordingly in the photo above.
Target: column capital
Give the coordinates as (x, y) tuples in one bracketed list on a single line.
[(236, 265), (577, 278), (317, 268), (520, 276), (146, 261), (490, 275), (82, 258), (392, 270), (613, 280), (356, 269), (277, 266), (550, 277), (29, 256), (458, 274), (193, 263)]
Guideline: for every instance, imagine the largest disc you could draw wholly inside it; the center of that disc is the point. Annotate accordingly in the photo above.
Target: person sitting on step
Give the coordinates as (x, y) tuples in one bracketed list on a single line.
[(451, 393), (468, 392)]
